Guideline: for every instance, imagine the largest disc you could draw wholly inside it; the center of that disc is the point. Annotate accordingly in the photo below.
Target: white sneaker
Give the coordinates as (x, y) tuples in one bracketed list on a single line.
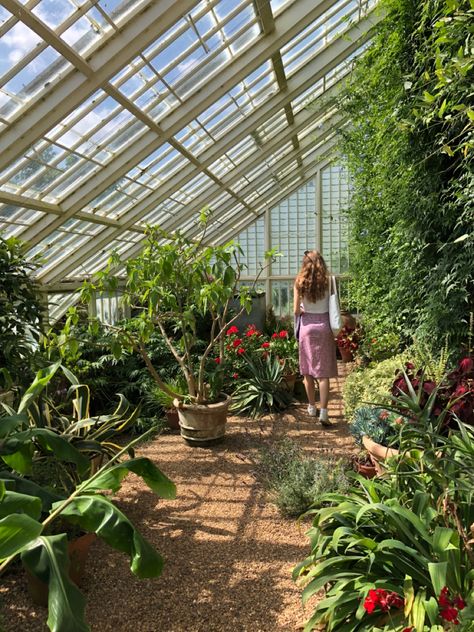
[(312, 411)]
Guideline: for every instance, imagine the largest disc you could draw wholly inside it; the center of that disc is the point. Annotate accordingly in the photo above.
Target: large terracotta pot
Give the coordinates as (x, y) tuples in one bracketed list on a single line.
[(78, 550), (348, 320), (346, 354), (290, 381), (172, 418), (379, 453), (203, 424)]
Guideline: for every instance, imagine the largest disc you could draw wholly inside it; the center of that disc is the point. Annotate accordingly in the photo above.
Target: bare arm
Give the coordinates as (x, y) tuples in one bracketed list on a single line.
[(296, 301)]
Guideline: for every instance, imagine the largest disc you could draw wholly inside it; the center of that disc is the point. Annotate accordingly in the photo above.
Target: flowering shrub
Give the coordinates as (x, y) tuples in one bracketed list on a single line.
[(455, 393), (285, 349), (348, 339), (253, 344), (450, 607)]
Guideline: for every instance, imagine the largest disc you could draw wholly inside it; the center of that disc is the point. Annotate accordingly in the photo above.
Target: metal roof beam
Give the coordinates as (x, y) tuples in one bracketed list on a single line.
[(289, 23), (32, 123)]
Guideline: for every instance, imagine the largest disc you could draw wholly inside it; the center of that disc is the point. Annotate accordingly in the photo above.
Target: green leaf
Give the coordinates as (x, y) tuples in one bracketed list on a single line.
[(48, 560), (143, 467), (15, 503), (98, 515), (438, 572), (16, 532), (42, 379)]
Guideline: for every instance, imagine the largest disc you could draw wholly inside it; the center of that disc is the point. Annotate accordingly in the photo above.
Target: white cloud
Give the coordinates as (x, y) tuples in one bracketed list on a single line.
[(20, 39)]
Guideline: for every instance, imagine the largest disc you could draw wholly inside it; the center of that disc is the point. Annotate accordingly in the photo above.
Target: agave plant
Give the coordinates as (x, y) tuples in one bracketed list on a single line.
[(263, 392)]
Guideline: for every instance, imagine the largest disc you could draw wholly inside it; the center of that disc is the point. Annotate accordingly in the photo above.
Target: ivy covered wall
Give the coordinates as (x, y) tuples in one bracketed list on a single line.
[(409, 151)]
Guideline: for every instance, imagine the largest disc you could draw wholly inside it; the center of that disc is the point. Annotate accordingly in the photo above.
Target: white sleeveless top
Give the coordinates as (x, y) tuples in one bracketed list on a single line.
[(321, 306)]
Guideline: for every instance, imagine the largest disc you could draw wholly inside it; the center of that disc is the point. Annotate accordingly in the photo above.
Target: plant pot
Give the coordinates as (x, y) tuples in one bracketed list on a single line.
[(203, 424), (367, 470), (172, 418), (346, 354), (290, 381), (78, 550), (348, 320), (378, 453)]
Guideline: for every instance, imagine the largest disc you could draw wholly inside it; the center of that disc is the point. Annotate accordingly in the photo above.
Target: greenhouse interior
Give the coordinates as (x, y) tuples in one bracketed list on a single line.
[(237, 315)]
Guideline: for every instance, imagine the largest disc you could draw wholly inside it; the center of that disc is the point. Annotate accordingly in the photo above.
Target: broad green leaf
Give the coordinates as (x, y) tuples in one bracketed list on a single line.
[(42, 379), (48, 560), (15, 503), (16, 531), (24, 486), (438, 571), (143, 467), (98, 515), (10, 423)]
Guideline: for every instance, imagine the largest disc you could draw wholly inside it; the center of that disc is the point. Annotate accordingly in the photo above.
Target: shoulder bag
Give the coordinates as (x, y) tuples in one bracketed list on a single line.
[(334, 310)]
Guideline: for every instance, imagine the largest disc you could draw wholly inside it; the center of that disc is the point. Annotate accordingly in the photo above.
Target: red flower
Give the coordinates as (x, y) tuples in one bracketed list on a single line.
[(235, 375), (449, 614), (232, 330), (384, 414), (409, 629), (443, 598), (466, 365), (265, 345), (283, 333), (240, 350), (383, 598), (217, 360), (237, 342), (459, 602), (275, 335)]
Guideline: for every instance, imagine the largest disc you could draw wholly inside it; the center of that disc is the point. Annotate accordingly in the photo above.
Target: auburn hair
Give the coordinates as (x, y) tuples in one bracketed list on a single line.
[(313, 278)]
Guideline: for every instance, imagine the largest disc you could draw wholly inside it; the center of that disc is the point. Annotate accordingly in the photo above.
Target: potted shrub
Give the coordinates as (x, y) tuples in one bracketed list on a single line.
[(165, 399), (375, 429), (348, 342), (174, 282), (285, 348)]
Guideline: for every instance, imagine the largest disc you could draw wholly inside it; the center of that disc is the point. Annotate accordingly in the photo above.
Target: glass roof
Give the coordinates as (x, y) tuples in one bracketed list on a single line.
[(115, 114)]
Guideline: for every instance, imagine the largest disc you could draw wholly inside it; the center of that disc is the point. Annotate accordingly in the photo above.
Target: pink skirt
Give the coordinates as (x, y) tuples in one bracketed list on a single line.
[(317, 348)]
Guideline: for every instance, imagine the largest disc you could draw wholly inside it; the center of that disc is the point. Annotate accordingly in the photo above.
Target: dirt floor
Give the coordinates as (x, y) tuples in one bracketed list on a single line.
[(229, 554)]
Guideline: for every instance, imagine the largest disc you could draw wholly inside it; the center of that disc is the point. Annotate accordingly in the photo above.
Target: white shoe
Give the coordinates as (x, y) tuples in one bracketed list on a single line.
[(312, 411)]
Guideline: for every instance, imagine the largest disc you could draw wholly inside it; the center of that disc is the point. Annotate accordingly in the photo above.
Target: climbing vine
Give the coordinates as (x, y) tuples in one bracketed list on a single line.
[(409, 150)]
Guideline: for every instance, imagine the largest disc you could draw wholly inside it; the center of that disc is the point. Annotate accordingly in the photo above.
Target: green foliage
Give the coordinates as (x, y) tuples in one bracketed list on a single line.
[(409, 150), (20, 311), (264, 391), (376, 423), (371, 384), (174, 282), (296, 481), (31, 513)]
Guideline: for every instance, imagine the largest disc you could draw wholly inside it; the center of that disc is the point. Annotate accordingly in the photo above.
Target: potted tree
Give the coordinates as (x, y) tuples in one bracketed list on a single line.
[(171, 285)]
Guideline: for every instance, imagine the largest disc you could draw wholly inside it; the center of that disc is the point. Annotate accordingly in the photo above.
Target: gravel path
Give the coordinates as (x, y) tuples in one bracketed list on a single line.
[(228, 553)]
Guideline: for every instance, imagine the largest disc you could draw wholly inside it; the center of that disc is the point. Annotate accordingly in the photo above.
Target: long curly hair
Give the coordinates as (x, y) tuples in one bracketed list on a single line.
[(313, 278)]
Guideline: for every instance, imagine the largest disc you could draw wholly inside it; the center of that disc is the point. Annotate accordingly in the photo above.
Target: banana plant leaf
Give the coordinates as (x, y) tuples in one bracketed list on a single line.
[(16, 531), (47, 559), (24, 486), (97, 514), (143, 467)]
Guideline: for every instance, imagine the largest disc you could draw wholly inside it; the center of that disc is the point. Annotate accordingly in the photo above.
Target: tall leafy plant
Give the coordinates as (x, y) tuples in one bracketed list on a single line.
[(20, 310), (409, 151)]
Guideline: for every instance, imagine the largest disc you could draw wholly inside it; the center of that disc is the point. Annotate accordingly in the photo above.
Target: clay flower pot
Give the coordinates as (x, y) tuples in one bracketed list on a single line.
[(203, 424), (379, 453), (346, 354)]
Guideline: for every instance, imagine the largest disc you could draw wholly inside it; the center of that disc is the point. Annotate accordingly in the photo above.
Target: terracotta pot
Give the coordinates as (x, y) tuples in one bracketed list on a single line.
[(348, 320), (172, 418), (203, 424), (346, 354), (290, 381), (78, 550), (367, 471), (379, 453)]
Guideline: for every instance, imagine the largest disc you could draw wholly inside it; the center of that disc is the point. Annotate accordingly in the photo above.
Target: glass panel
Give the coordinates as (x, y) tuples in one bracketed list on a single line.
[(335, 227), (252, 242), (293, 229), (282, 297)]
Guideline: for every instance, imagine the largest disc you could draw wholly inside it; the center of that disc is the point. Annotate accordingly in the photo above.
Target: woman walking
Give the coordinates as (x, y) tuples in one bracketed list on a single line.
[(317, 349)]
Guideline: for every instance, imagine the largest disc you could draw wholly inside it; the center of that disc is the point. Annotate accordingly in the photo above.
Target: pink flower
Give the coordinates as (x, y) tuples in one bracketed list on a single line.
[(235, 375), (466, 365), (384, 414)]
